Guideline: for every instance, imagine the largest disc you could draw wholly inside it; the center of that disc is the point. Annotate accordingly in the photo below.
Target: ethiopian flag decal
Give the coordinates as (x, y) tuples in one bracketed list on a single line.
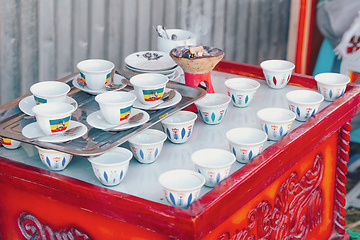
[(5, 141), (59, 125), (125, 113), (39, 100), (107, 78), (153, 95)]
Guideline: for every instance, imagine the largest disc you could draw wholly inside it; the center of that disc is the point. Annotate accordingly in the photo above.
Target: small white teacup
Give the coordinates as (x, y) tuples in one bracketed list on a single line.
[(9, 143), (115, 106), (178, 37), (53, 118), (149, 87), (49, 91), (54, 160), (277, 72), (304, 103), (95, 72), (331, 85), (241, 90)]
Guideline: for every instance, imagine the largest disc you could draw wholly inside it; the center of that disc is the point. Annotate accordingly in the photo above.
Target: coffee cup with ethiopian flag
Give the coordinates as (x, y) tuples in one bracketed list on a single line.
[(9, 143), (149, 87), (115, 106)]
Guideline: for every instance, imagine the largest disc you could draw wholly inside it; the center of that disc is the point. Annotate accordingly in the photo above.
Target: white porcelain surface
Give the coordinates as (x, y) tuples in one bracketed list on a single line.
[(304, 103), (331, 85), (49, 91), (111, 167), (115, 106), (53, 118), (54, 160), (95, 73), (9, 143), (26, 104), (277, 72), (149, 87), (276, 122), (97, 120), (33, 130), (147, 145), (181, 187), (213, 107), (214, 164), (241, 90), (179, 126), (79, 84), (245, 142), (166, 104), (150, 60), (183, 38)]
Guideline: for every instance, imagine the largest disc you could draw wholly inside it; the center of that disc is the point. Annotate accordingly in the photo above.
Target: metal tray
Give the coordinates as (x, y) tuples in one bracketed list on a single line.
[(95, 141)]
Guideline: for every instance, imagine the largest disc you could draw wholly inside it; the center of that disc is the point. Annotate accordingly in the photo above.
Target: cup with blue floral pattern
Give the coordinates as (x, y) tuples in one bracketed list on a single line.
[(213, 107), (241, 90), (54, 160), (304, 103), (179, 126), (331, 85), (111, 167)]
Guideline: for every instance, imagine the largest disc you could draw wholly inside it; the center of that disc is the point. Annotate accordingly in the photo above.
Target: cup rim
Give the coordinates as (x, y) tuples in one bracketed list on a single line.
[(95, 159), (290, 65), (290, 98), (36, 108), (243, 79), (98, 98), (194, 117), (291, 118), (164, 184), (230, 139), (34, 88), (200, 103), (161, 134), (85, 70), (322, 81), (228, 155), (135, 80)]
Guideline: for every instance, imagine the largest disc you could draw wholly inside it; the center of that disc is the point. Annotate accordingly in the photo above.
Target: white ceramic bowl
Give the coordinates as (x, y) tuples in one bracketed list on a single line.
[(179, 126), (53, 118), (183, 38), (241, 90), (213, 164), (9, 143), (331, 85), (277, 72), (115, 106), (95, 72), (147, 145), (54, 160), (149, 87), (245, 142), (276, 122), (49, 91), (304, 103), (111, 167), (213, 107), (181, 187)]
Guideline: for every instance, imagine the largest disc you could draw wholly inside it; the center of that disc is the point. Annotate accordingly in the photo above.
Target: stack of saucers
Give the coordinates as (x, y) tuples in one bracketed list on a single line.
[(153, 62)]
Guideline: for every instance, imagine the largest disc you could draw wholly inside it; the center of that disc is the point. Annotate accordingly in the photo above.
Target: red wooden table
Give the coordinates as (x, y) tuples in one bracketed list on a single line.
[(295, 189)]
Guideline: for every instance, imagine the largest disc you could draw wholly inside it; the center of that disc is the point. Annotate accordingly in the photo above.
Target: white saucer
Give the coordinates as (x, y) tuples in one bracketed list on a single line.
[(33, 130), (150, 60), (97, 120), (117, 79), (172, 102), (26, 104)]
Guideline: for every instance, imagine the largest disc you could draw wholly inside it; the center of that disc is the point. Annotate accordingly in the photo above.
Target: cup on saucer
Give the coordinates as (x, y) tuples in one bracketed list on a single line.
[(149, 87), (95, 73), (115, 106), (49, 91)]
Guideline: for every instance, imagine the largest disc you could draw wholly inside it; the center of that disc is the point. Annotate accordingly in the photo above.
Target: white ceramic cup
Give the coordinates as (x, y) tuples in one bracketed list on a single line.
[(213, 107), (241, 90), (245, 142), (179, 126), (115, 106), (111, 167), (332, 85), (53, 118), (181, 187), (95, 72), (147, 145), (9, 143), (277, 72), (214, 164), (149, 87), (304, 103), (180, 38), (49, 91), (54, 160)]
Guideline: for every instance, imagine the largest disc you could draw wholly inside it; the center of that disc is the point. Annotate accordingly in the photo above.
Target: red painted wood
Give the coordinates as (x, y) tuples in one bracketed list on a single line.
[(134, 214)]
